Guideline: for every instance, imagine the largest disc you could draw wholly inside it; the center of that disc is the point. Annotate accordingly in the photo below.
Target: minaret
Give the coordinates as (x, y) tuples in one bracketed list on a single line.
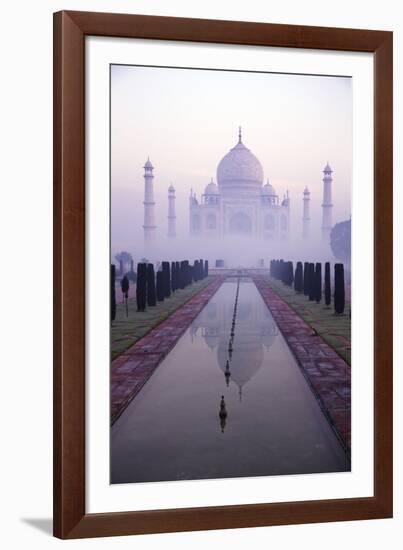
[(171, 212), (306, 215), (327, 202), (149, 204), (190, 211)]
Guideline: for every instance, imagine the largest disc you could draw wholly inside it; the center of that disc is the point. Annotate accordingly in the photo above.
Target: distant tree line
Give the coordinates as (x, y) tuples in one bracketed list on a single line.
[(154, 287), (307, 280), (340, 242), (125, 259)]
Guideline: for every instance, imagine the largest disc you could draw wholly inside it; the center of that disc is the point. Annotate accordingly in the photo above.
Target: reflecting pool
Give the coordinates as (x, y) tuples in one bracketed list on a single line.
[(177, 428)]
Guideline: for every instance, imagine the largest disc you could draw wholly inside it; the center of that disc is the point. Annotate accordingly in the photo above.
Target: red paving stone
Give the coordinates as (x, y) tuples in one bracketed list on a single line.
[(131, 370), (327, 373)]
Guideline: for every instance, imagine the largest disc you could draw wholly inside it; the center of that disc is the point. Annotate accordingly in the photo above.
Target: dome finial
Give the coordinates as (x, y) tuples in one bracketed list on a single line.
[(240, 134)]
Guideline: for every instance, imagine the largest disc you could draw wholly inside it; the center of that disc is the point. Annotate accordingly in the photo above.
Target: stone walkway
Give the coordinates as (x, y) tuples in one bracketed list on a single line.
[(326, 372), (335, 330), (131, 370)]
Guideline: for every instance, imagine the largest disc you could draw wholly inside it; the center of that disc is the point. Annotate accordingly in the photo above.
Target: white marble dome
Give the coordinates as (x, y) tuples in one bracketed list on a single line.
[(240, 171)]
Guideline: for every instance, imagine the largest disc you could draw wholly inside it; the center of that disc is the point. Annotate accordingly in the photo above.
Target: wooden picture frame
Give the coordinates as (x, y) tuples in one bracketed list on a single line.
[(70, 517)]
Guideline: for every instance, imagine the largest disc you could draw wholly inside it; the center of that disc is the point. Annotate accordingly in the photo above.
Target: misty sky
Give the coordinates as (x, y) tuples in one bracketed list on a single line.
[(187, 120)]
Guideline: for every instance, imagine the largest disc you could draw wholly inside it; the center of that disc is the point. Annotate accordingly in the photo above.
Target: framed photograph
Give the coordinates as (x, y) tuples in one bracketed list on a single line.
[(222, 274)]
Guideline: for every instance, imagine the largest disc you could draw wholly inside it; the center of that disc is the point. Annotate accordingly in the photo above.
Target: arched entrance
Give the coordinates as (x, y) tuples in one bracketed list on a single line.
[(240, 223)]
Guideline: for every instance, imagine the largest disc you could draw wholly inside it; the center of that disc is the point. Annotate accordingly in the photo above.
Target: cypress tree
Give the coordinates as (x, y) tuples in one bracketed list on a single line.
[(298, 283), (167, 279), (200, 267), (306, 279), (318, 282), (188, 274), (290, 273), (113, 292), (173, 276), (275, 268), (151, 297), (141, 286), (124, 285), (339, 297), (281, 270), (301, 284), (327, 284), (178, 270), (206, 268), (182, 275), (296, 277), (311, 287), (196, 271), (177, 276), (160, 286)]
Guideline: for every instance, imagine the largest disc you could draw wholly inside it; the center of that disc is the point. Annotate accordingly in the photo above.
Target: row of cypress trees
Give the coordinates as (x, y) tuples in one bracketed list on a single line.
[(307, 279), (152, 288)]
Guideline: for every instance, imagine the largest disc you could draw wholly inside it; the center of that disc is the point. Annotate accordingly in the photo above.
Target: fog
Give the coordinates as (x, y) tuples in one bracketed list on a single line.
[(187, 120)]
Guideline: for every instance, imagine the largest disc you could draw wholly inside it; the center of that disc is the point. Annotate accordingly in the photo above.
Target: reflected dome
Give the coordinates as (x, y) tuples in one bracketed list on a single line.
[(246, 360), (255, 331)]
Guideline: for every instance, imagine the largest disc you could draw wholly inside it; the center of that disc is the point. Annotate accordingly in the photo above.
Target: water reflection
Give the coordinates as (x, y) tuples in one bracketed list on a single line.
[(223, 414), (252, 334)]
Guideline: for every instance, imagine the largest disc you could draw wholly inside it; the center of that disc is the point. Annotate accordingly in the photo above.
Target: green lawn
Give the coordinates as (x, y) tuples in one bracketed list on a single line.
[(125, 331), (334, 329)]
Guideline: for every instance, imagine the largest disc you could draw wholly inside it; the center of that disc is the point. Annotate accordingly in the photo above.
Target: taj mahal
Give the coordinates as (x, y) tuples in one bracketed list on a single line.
[(239, 203)]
